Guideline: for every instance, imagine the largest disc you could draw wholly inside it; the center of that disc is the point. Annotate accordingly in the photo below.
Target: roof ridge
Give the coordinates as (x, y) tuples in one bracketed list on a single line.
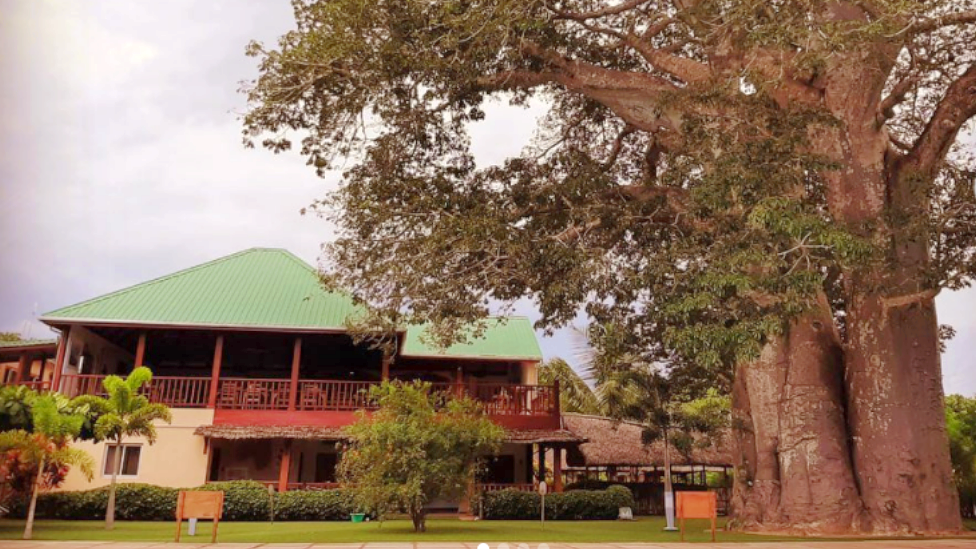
[(170, 276)]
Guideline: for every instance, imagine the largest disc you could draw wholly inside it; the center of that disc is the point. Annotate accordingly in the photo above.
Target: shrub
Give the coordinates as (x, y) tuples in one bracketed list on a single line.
[(317, 505), (244, 500), (573, 505)]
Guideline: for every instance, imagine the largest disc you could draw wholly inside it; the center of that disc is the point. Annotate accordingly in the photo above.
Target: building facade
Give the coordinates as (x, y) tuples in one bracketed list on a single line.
[(256, 361)]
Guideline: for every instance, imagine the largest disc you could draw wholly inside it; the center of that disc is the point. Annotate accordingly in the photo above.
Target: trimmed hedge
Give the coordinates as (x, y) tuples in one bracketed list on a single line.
[(244, 500), (572, 505)]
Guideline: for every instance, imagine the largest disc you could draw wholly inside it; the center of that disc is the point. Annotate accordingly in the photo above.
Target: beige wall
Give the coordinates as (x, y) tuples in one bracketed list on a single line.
[(177, 459)]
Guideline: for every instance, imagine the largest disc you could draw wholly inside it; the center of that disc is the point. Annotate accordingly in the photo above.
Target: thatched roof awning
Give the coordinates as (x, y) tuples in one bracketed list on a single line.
[(618, 443), (540, 436), (252, 432)]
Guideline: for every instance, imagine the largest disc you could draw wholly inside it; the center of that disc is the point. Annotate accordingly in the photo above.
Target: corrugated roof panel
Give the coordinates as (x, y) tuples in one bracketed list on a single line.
[(511, 338), (270, 288), (258, 287)]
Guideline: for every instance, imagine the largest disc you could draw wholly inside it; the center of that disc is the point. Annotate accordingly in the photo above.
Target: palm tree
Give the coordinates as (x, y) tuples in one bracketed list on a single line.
[(124, 413), (574, 394), (632, 387), (47, 445)]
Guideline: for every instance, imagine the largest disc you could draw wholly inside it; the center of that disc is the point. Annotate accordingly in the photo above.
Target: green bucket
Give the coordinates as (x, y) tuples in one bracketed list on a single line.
[(357, 517)]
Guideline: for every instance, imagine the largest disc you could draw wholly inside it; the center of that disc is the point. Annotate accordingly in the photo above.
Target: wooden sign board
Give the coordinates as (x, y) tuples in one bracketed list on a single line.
[(697, 505), (199, 505)]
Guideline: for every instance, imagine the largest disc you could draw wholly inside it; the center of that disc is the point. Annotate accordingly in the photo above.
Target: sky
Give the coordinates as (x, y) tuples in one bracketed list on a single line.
[(121, 157)]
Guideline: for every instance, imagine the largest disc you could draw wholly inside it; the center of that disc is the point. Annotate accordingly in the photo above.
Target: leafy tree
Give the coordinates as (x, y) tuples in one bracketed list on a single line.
[(9, 336), (961, 424), (48, 444), (418, 446), (124, 413), (777, 188)]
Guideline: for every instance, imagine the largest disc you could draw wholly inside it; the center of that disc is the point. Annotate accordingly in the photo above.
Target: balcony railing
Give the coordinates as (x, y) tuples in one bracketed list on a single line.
[(35, 385), (317, 395)]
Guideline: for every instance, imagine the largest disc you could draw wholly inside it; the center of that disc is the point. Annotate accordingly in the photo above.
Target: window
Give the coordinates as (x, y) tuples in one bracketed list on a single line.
[(130, 460)]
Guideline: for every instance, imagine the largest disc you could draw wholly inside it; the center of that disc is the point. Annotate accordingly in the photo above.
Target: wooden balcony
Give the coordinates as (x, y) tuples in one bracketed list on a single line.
[(272, 401)]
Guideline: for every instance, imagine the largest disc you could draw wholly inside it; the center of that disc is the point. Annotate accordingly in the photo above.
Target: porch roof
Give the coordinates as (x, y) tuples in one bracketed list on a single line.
[(265, 432), (270, 289)]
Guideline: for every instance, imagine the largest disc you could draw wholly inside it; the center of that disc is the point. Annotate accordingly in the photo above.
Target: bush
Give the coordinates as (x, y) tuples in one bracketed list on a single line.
[(318, 505), (572, 505), (244, 500)]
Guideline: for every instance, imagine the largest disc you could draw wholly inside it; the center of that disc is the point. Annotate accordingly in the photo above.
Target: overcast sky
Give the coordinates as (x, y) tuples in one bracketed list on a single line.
[(121, 158)]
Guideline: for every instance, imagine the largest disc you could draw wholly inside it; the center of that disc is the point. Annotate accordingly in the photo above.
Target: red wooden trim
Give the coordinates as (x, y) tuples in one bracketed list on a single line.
[(385, 371), (59, 361), (141, 350), (215, 371), (296, 362), (266, 418), (285, 467)]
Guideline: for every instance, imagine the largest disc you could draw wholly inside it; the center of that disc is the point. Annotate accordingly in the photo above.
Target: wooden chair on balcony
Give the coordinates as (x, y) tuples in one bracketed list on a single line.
[(312, 398), (255, 396), (229, 390)]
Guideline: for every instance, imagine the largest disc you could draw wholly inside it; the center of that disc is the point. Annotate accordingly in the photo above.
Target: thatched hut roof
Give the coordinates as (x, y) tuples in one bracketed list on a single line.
[(618, 443), (251, 432)]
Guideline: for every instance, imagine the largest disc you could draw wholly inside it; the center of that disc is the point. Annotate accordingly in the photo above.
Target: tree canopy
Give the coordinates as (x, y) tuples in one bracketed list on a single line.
[(776, 189), (418, 446)]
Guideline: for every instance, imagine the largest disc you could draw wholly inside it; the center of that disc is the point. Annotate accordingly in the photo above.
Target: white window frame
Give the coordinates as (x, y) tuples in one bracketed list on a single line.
[(124, 447)]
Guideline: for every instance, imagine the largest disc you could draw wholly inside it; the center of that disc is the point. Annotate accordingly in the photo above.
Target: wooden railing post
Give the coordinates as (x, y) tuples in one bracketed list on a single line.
[(296, 361), (215, 371), (557, 468)]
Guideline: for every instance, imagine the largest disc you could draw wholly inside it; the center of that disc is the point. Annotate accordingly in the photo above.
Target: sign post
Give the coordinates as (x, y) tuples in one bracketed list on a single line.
[(697, 505), (199, 505), (543, 488)]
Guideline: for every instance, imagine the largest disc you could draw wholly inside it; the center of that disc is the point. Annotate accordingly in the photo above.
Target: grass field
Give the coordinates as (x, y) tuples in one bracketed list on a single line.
[(644, 529)]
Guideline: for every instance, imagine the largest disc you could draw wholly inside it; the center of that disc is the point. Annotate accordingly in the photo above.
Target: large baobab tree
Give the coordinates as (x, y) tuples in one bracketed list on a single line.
[(778, 187)]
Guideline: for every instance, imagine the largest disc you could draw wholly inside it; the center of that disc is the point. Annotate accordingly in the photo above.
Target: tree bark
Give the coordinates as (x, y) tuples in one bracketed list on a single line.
[(29, 528), (794, 469), (897, 416), (110, 511)]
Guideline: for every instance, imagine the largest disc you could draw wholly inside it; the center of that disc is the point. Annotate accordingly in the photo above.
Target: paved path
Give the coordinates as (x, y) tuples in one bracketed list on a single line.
[(900, 544)]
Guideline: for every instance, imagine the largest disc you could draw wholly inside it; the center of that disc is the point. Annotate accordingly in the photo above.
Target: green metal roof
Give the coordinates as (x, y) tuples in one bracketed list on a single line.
[(271, 289), (511, 338), (27, 343), (259, 287)]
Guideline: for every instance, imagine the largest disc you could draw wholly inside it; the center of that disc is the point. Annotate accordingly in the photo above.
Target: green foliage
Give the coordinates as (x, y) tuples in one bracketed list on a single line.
[(243, 501), (574, 394), (9, 336), (572, 505), (961, 426), (417, 447), (314, 505)]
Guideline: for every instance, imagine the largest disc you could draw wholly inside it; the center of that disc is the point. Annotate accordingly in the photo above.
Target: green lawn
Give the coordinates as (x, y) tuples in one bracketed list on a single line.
[(644, 529)]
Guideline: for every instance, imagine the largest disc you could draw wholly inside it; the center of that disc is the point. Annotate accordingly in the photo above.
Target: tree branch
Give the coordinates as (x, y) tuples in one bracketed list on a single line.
[(931, 24), (957, 106)]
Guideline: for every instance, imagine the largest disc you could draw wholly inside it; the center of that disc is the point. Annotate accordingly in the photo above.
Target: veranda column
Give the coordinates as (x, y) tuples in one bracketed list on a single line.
[(285, 467), (557, 468), (141, 350), (385, 368), (23, 365), (59, 360), (542, 463), (215, 371), (296, 361)]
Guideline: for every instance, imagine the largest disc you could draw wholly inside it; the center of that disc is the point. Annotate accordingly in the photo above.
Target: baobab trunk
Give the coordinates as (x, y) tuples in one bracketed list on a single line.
[(897, 415), (794, 470)]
